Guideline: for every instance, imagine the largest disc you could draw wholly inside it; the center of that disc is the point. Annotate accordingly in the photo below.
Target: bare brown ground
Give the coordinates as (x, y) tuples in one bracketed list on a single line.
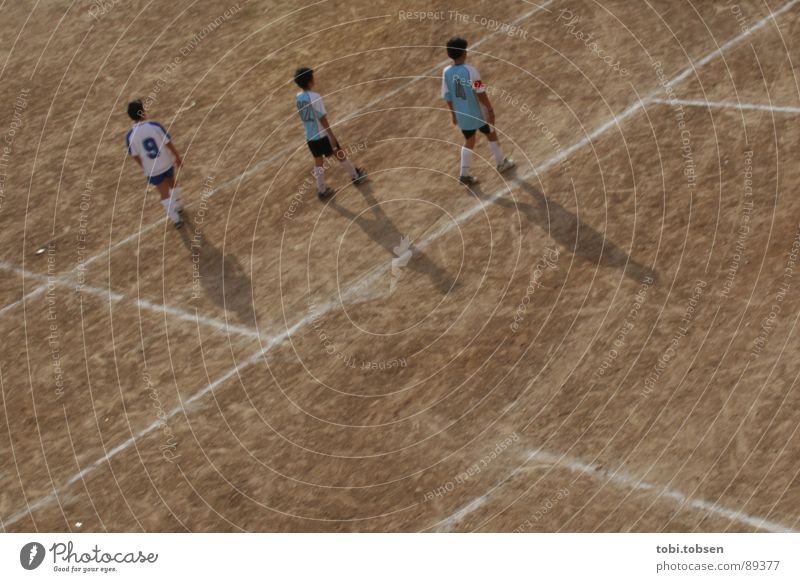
[(303, 383)]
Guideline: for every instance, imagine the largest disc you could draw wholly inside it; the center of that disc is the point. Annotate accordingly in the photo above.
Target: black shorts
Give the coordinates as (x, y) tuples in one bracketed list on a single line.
[(468, 133), (320, 147)]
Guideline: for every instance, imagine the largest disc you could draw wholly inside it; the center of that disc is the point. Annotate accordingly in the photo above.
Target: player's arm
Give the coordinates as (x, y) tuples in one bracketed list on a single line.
[(175, 155), (323, 121), (483, 98)]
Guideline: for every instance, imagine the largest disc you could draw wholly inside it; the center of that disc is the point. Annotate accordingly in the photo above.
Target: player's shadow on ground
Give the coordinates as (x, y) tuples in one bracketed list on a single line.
[(383, 231), (222, 278), (568, 231)]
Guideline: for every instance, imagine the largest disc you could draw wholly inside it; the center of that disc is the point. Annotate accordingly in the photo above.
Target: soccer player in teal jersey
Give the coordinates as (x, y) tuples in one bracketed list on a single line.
[(472, 111), (319, 134)]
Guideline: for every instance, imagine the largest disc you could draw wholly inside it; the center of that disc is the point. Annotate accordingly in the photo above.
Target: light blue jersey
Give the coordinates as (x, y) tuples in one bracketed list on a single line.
[(460, 86), (311, 110)]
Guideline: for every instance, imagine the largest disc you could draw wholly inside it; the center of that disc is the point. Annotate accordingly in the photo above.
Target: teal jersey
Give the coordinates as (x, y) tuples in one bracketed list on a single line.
[(461, 85), (311, 109)]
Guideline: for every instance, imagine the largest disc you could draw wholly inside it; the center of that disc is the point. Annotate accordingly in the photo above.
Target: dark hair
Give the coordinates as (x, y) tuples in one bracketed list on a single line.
[(136, 110), (303, 77), (456, 47)]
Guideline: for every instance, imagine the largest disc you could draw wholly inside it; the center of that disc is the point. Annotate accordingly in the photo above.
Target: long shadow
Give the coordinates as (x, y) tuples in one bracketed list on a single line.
[(383, 231), (566, 229), (222, 278)]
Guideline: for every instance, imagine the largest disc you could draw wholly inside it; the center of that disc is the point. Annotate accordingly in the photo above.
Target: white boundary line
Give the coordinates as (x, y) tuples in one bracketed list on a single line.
[(269, 343), (729, 105), (469, 213), (623, 479), (261, 164), (113, 297)]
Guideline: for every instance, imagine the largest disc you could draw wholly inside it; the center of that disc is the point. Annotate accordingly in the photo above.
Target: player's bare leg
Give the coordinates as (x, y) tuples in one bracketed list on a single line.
[(503, 163), (323, 191), (357, 175), (466, 161), (171, 200)]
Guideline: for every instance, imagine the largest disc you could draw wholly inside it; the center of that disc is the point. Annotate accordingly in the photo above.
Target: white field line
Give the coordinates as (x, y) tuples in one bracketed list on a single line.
[(261, 164), (451, 522), (113, 297), (729, 105), (622, 479), (459, 515), (427, 241), (267, 345)]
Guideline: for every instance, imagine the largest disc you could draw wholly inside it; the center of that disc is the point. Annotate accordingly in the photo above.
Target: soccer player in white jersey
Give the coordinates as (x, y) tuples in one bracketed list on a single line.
[(470, 107), (319, 135), (150, 145)]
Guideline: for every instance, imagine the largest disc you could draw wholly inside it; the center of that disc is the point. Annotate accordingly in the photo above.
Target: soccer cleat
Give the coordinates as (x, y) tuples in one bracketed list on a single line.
[(505, 165), (361, 175), (178, 225), (326, 194), (468, 180)]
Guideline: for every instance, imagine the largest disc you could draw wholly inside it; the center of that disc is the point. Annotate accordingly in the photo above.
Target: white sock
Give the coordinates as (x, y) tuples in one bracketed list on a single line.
[(348, 165), (172, 212), (175, 196), (498, 153), (319, 174), (466, 160)]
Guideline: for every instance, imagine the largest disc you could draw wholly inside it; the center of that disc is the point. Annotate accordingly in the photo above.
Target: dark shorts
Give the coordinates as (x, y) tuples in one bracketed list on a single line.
[(320, 147), (468, 133), (156, 180)]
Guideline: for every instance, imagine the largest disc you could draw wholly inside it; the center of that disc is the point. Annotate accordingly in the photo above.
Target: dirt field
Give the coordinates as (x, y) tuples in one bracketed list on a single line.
[(602, 340)]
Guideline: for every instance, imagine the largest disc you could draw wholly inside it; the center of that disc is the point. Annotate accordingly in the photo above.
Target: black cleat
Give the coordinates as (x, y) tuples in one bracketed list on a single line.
[(361, 175), (468, 180), (179, 225)]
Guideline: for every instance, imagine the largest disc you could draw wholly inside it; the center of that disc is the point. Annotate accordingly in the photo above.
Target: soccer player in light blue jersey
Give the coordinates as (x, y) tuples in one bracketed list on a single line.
[(319, 134), (472, 111)]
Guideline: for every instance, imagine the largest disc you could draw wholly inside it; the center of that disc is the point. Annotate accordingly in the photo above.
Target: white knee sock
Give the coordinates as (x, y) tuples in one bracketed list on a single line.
[(175, 196), (172, 212), (466, 160), (497, 151), (348, 165), (319, 174)]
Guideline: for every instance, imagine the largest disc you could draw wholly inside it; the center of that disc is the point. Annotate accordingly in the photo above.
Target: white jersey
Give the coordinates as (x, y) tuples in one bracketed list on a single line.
[(147, 139), (311, 109)]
